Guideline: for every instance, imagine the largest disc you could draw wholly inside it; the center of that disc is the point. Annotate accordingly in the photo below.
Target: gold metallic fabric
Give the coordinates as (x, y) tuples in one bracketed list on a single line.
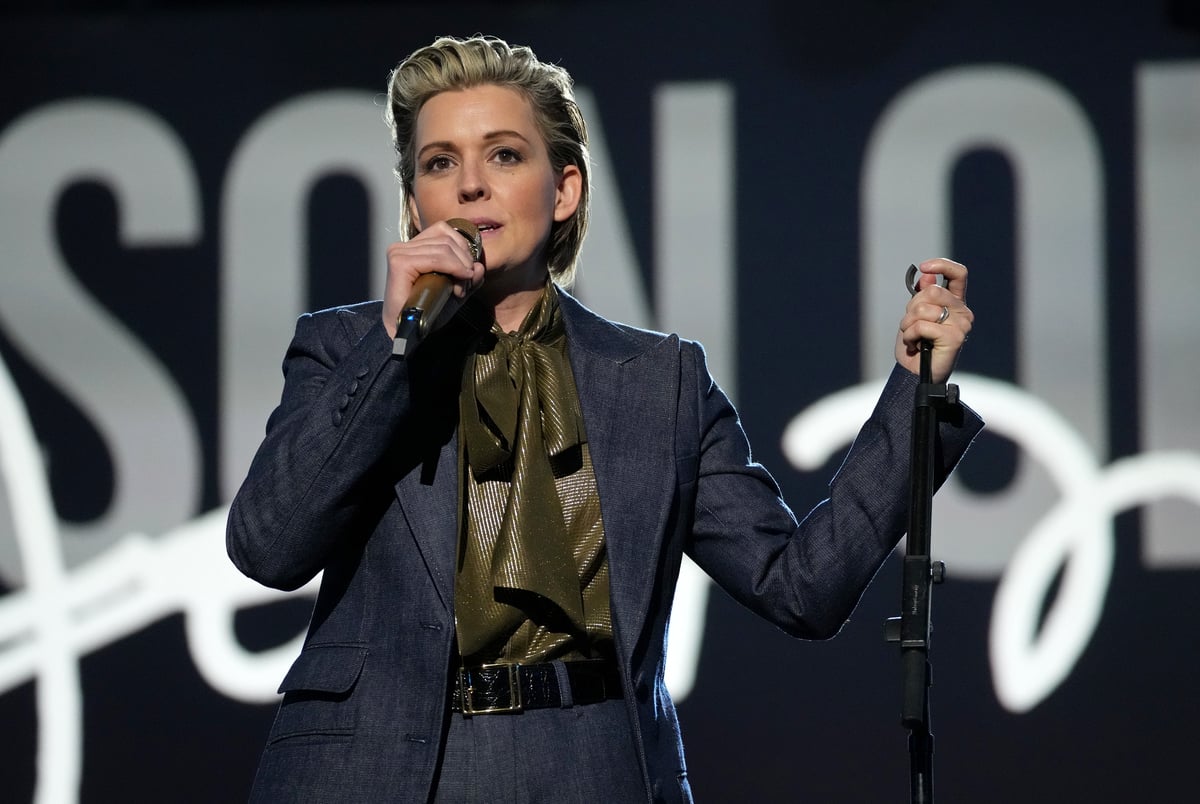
[(532, 579)]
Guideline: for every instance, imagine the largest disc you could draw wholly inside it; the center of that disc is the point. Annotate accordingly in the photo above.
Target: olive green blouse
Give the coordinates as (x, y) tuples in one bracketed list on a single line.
[(532, 572)]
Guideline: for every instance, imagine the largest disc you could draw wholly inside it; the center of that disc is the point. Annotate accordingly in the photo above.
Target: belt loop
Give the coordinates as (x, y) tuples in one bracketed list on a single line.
[(565, 694)]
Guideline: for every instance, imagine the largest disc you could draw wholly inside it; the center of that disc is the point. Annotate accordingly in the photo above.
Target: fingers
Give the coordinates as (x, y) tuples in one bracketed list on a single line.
[(955, 273), (940, 306), (944, 310), (948, 335), (936, 314), (437, 249)]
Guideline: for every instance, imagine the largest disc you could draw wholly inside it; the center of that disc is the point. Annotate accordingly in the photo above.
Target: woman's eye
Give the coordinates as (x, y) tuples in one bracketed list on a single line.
[(507, 156), (438, 163)]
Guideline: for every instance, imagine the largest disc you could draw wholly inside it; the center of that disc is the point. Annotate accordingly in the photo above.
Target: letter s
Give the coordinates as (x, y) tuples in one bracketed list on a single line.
[(72, 340)]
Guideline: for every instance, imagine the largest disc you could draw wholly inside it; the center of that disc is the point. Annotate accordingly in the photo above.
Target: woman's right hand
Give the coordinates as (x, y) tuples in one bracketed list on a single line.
[(437, 249)]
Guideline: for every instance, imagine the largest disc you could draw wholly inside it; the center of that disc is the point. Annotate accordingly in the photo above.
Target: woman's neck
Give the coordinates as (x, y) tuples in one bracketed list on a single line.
[(511, 301)]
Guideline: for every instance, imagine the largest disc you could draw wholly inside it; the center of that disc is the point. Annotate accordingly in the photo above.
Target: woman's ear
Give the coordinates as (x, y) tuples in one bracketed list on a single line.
[(413, 215), (567, 192)]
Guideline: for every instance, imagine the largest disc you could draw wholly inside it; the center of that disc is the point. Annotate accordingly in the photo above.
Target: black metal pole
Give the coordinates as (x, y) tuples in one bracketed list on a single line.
[(913, 627), (915, 600)]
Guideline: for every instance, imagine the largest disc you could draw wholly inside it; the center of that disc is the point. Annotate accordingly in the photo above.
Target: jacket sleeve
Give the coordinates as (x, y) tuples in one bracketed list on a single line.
[(807, 576), (343, 399)]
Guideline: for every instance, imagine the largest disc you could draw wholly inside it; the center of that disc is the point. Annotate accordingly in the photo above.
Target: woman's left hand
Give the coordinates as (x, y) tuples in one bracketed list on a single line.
[(937, 314)]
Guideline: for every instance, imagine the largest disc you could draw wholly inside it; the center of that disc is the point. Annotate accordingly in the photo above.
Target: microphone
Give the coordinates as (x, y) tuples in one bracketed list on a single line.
[(429, 295)]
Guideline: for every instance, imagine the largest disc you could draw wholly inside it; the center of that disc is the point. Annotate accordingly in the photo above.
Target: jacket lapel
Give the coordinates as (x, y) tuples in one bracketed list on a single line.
[(427, 497), (426, 492), (629, 390)]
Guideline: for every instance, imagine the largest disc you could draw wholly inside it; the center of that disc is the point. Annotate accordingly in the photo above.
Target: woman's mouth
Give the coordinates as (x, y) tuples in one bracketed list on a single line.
[(485, 226)]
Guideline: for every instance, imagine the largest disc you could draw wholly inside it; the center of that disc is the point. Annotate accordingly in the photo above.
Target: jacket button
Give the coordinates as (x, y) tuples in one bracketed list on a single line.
[(353, 387), (337, 418)]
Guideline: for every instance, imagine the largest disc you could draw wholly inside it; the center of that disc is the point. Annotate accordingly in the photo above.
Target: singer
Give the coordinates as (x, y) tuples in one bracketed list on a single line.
[(500, 513)]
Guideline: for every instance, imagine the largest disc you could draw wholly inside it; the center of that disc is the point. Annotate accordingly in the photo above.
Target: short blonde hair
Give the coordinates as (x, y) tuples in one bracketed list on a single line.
[(451, 64)]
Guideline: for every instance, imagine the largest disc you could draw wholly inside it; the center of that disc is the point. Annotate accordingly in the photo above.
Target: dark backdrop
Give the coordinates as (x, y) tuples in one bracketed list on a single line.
[(810, 88)]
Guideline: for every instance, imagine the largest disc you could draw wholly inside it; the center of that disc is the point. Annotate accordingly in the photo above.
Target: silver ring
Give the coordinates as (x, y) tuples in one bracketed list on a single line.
[(945, 314)]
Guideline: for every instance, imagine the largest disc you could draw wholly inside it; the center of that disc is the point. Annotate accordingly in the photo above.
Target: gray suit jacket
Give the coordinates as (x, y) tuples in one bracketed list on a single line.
[(357, 476)]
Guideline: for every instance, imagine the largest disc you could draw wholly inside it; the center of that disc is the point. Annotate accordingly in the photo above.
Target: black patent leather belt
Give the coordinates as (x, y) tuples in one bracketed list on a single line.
[(509, 688)]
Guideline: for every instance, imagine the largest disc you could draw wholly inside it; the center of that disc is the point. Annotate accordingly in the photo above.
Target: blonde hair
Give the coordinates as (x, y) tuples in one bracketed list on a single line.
[(451, 64)]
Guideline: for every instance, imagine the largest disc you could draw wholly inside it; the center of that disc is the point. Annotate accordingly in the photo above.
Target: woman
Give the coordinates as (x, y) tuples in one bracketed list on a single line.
[(500, 516)]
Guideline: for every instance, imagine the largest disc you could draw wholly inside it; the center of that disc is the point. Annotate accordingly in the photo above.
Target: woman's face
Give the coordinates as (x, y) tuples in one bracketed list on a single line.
[(480, 156)]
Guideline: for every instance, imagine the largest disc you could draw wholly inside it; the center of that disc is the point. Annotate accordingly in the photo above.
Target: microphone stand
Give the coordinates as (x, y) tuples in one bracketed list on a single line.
[(912, 628)]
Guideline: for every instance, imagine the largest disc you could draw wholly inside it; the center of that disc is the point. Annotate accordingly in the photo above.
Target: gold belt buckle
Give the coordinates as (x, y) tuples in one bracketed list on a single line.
[(467, 690)]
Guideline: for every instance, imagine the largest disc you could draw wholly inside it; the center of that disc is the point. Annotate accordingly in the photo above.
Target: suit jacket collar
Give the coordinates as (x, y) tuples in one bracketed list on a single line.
[(587, 331)]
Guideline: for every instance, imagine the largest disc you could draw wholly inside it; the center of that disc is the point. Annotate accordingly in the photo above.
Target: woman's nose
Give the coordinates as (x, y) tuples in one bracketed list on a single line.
[(472, 185)]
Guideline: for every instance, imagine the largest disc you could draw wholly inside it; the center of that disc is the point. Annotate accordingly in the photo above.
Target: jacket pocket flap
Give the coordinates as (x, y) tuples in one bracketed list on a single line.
[(325, 668)]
